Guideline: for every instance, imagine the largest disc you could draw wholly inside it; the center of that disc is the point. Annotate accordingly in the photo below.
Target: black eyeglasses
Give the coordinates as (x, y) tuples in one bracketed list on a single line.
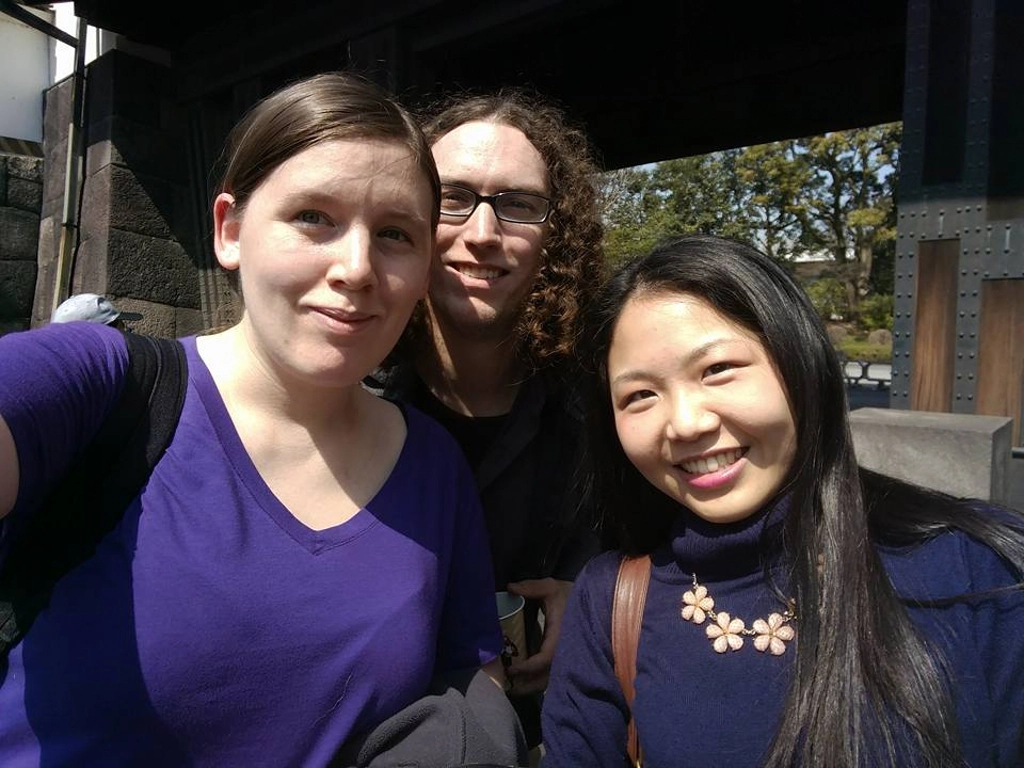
[(515, 207)]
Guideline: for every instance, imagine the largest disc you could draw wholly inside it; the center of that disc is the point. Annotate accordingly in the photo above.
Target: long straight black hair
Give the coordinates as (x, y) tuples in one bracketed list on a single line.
[(861, 670)]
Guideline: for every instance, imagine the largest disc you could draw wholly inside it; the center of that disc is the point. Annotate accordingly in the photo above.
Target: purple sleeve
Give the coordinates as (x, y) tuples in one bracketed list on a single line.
[(584, 715), (57, 383), (470, 634)]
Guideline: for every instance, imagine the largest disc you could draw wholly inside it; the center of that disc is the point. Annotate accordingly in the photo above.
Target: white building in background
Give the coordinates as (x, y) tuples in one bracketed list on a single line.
[(30, 62)]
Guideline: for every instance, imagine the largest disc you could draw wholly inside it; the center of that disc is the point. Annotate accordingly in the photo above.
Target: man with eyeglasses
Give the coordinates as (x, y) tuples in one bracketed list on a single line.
[(491, 356)]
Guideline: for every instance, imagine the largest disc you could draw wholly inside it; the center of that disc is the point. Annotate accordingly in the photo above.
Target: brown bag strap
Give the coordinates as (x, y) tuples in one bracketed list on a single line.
[(627, 615)]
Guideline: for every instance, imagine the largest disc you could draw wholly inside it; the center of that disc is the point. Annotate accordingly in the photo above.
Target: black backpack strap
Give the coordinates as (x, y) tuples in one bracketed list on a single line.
[(95, 491)]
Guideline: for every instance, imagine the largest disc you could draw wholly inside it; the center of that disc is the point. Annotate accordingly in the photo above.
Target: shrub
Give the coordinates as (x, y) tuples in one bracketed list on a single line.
[(829, 297), (856, 349), (875, 312)]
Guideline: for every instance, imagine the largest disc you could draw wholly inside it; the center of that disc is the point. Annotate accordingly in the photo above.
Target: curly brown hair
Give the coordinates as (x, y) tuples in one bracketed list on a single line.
[(572, 264)]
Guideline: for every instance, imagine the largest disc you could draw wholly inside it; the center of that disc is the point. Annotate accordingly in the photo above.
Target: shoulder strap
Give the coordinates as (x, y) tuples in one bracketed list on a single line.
[(92, 496), (627, 616)]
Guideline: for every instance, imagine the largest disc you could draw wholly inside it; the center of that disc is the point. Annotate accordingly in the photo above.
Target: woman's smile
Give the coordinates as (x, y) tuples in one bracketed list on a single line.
[(699, 408)]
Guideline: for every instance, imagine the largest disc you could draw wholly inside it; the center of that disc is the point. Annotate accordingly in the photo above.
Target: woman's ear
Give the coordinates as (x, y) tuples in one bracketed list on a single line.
[(226, 226)]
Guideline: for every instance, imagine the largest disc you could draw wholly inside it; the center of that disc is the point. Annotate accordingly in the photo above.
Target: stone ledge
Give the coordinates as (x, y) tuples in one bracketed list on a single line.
[(959, 454)]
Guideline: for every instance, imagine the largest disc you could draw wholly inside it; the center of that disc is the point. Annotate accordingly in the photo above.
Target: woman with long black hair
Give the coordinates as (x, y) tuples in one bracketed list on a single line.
[(801, 610)]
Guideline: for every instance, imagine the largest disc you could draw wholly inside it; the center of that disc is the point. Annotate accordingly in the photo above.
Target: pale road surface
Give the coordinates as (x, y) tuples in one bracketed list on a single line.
[(867, 385)]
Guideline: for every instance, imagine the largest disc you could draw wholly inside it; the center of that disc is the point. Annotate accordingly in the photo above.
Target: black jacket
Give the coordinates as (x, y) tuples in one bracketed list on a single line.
[(526, 477)]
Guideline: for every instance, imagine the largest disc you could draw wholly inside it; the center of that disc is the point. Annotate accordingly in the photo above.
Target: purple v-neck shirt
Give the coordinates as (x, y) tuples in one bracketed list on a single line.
[(212, 627)]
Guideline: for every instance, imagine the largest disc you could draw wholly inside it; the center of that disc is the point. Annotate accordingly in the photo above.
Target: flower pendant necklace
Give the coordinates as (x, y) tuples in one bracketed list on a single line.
[(726, 633)]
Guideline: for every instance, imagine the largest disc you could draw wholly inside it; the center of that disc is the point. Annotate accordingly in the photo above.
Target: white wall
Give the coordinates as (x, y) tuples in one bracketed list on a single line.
[(31, 61), (63, 56), (24, 74)]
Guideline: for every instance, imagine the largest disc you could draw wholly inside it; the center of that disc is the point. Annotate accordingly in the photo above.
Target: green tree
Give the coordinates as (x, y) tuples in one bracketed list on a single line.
[(773, 178), (876, 312), (833, 193), (750, 194), (703, 193), (634, 213), (850, 205), (642, 206), (828, 296)]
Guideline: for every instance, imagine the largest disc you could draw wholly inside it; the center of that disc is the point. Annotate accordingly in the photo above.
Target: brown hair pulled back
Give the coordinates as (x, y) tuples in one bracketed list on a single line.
[(326, 107)]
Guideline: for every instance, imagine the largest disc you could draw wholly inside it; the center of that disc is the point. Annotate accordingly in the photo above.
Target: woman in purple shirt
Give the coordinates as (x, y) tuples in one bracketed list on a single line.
[(305, 556)]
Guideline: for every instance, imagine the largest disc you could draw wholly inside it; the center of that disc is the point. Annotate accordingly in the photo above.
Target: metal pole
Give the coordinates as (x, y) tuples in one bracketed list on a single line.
[(73, 173)]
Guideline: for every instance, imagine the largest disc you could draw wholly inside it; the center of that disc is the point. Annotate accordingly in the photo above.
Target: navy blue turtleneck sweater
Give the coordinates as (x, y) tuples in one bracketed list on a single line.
[(697, 707)]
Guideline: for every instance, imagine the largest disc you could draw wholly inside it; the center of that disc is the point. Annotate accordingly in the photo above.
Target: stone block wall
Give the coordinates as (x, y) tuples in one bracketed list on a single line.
[(136, 219), (21, 194)]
